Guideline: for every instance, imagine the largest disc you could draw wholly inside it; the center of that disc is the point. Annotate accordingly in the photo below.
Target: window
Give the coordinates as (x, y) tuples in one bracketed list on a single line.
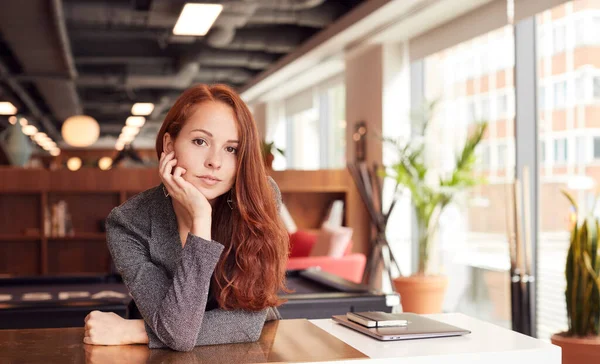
[(485, 109), (580, 88), (558, 40), (580, 33), (560, 92), (597, 87), (485, 157), (595, 30), (542, 152), (541, 97), (502, 105), (481, 229), (596, 148), (502, 149), (553, 128), (314, 117), (471, 112), (560, 150), (581, 144)]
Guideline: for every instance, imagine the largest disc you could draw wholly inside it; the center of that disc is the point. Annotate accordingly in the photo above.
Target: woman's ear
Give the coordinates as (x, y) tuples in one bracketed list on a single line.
[(167, 143)]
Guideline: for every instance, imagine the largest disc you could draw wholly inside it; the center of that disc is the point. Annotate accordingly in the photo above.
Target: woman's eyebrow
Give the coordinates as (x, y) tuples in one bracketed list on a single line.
[(210, 135)]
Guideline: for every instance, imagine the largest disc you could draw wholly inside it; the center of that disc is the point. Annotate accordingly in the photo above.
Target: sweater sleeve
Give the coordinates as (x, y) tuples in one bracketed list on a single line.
[(173, 311)]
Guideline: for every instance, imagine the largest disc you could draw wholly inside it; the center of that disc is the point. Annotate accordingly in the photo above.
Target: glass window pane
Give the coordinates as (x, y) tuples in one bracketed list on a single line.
[(472, 238), (597, 87), (560, 91), (596, 147), (559, 38), (572, 141)]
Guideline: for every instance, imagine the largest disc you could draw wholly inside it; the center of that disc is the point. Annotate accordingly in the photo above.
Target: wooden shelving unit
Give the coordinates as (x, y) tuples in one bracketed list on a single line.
[(91, 194)]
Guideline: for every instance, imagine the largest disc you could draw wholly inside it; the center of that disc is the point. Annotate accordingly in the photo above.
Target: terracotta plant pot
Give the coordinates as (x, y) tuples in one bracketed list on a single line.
[(421, 293), (577, 350), (269, 161)]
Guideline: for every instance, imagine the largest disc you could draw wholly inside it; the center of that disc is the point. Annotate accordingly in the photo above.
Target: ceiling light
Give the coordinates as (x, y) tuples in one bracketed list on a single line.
[(119, 145), (12, 120), (126, 139), (196, 19), (23, 121), (130, 130), (142, 108), (137, 121), (47, 147), (7, 108), (29, 130), (55, 152), (105, 163), (49, 144), (80, 131), (74, 163), (39, 136)]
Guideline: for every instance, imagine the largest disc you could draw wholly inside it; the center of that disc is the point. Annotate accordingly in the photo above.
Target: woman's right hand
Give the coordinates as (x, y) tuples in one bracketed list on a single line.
[(194, 202)]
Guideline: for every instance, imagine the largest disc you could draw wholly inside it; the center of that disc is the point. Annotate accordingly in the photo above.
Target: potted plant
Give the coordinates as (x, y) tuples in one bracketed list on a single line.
[(581, 343), (423, 292), (267, 152)]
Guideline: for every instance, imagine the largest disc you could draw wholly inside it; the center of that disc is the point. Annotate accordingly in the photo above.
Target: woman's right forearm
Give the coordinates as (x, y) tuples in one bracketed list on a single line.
[(137, 332), (201, 228)]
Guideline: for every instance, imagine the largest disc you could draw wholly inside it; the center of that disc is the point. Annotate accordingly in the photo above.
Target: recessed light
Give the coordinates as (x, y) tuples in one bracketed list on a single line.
[(130, 130), (7, 108), (142, 108), (137, 121), (196, 19), (29, 130)]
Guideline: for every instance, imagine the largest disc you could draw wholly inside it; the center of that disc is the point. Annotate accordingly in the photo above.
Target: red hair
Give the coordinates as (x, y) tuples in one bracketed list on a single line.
[(251, 270)]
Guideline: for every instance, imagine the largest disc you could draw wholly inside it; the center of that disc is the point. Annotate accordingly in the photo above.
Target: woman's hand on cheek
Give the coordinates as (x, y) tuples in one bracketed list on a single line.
[(183, 191)]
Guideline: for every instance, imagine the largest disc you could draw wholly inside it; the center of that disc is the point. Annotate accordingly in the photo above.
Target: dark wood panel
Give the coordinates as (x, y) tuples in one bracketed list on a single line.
[(21, 258), (20, 214), (77, 256), (19, 179), (88, 210)]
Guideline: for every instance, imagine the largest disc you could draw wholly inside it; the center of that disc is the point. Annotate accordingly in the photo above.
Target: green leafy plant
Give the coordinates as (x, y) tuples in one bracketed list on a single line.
[(430, 193), (269, 147), (582, 272)]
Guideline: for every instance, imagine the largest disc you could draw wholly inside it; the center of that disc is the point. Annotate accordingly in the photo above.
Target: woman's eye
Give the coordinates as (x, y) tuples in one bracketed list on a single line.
[(199, 141), (231, 150)]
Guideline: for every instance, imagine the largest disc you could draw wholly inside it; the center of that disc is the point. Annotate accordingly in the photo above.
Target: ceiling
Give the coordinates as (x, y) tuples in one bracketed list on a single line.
[(61, 58)]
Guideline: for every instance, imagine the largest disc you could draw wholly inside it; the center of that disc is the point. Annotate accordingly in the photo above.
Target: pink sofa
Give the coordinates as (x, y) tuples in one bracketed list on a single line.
[(350, 266)]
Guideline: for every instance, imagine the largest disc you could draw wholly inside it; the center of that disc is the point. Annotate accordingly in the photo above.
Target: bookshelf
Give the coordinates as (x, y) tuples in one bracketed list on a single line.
[(91, 194)]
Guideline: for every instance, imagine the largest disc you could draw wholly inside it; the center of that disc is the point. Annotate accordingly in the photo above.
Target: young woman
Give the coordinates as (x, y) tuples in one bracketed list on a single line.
[(203, 254)]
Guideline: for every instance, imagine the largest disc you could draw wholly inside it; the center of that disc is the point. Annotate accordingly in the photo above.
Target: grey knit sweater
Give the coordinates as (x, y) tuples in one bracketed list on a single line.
[(170, 283)]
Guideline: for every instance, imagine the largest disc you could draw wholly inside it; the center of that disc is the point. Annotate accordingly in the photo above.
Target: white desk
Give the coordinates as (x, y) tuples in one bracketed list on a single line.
[(487, 344)]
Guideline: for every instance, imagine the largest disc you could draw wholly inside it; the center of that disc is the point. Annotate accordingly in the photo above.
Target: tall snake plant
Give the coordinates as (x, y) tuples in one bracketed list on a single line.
[(583, 276)]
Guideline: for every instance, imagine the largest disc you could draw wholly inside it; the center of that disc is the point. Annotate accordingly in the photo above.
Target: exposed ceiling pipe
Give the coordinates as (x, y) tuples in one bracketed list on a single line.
[(256, 39), (223, 58), (181, 80), (133, 61), (164, 14), (40, 45), (31, 105), (315, 17), (287, 4)]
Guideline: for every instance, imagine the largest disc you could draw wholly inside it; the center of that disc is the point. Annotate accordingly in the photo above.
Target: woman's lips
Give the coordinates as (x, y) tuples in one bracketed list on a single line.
[(209, 181)]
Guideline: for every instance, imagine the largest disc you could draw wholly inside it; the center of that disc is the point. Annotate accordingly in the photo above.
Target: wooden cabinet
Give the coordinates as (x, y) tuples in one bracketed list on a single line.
[(91, 194)]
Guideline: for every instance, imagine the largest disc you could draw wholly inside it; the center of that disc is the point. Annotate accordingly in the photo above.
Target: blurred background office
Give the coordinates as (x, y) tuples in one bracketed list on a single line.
[(86, 84)]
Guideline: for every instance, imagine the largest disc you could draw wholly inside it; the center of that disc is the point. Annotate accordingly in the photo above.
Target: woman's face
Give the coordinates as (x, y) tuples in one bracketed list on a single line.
[(206, 148)]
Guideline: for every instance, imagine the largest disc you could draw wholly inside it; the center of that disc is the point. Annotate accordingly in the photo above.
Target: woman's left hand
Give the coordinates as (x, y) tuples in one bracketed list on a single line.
[(108, 328)]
